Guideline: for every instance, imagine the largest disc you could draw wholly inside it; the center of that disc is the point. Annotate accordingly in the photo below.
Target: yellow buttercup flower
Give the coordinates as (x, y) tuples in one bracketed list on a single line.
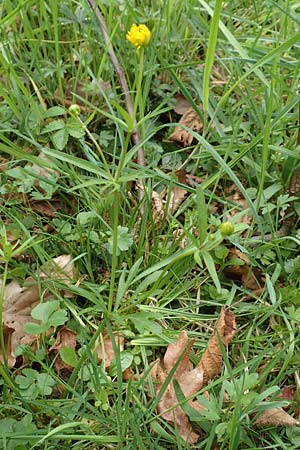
[(138, 35)]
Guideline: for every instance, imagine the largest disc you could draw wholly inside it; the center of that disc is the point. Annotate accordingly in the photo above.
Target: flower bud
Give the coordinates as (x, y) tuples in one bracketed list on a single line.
[(74, 110), (226, 228)]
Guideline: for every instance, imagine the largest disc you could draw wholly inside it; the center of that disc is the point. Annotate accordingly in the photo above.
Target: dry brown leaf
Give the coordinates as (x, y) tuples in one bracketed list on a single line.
[(65, 338), (106, 351), (287, 393), (251, 278), (178, 194), (211, 361), (157, 207), (190, 380), (50, 207), (182, 105), (242, 206), (276, 417), (18, 302), (42, 171), (191, 120)]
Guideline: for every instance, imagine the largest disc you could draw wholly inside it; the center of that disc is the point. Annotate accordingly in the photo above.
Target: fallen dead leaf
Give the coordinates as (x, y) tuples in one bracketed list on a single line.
[(191, 120), (190, 380), (250, 278), (105, 352), (157, 207), (178, 194), (182, 105), (276, 417), (65, 338), (42, 171), (242, 207), (18, 302), (50, 207), (287, 393), (211, 361)]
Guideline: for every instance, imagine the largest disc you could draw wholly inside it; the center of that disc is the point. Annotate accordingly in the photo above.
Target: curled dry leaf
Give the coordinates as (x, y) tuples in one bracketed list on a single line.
[(211, 361), (276, 417), (191, 120), (105, 352), (19, 301), (190, 380), (65, 338)]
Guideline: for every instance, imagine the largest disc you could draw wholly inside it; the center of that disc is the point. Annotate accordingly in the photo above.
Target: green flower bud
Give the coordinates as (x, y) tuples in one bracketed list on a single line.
[(226, 228), (75, 110)]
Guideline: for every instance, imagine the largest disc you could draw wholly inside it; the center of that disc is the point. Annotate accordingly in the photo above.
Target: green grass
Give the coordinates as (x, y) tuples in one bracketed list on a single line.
[(238, 66)]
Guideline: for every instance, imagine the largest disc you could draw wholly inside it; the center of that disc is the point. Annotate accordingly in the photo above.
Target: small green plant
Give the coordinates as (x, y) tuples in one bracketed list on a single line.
[(33, 384), (49, 314), (61, 129), (9, 427)]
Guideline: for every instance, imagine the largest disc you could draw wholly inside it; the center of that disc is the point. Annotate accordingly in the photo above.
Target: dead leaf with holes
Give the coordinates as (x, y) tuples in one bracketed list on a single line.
[(20, 300), (190, 380), (191, 120)]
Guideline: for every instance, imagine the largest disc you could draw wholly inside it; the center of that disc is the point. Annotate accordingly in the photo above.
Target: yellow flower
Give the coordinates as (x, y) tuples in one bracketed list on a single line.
[(138, 35)]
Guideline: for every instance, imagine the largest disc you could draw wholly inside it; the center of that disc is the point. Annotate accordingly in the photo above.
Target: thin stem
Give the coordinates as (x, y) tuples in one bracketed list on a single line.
[(114, 261), (2, 293), (97, 147), (135, 136), (140, 55)]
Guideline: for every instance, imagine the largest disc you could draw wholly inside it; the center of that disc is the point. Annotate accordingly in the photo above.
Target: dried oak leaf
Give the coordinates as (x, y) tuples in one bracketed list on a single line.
[(105, 352), (191, 120), (211, 361), (19, 301), (190, 380), (276, 417), (65, 338)]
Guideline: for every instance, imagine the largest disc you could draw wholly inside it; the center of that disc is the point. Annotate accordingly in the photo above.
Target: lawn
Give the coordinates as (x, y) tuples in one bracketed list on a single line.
[(149, 224)]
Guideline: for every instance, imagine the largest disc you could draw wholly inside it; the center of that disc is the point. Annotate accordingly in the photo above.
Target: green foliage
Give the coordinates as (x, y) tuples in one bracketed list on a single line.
[(9, 427), (33, 384), (49, 314), (145, 275)]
